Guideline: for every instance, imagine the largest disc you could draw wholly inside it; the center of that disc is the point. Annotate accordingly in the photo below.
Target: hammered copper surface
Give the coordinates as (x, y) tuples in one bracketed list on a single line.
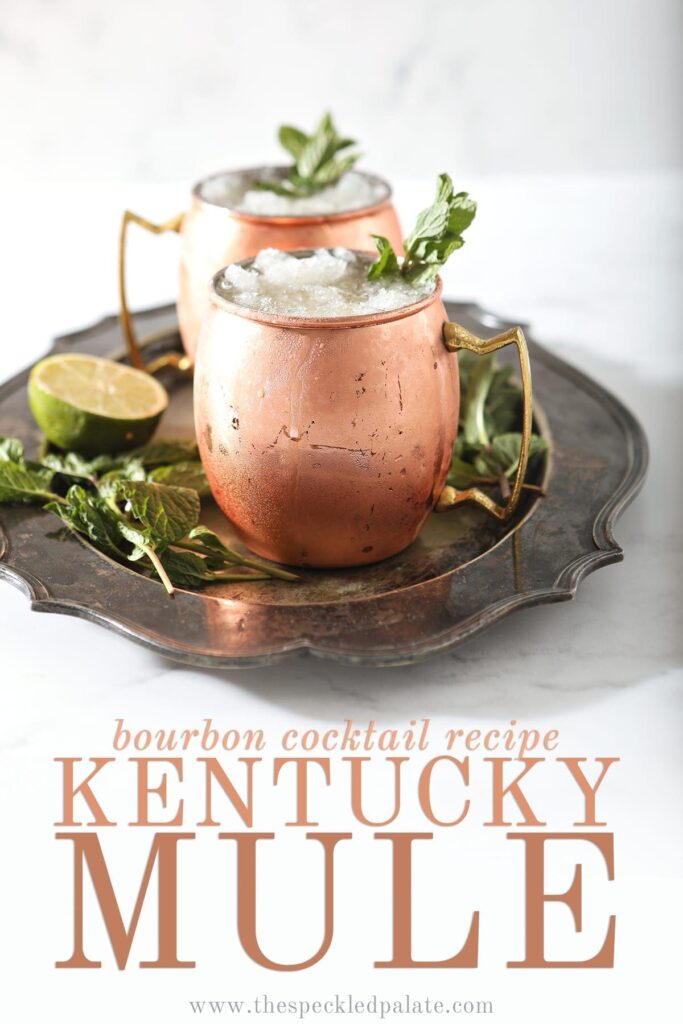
[(213, 236), (326, 446), (464, 572)]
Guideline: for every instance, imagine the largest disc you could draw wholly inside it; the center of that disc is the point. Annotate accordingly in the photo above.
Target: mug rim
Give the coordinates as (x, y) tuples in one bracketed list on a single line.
[(317, 323), (291, 218)]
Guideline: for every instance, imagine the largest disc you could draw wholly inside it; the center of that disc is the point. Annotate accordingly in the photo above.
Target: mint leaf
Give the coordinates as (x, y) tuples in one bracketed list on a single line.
[(25, 485), (462, 474), (67, 462), (186, 569), (166, 514), (182, 474), (431, 223), (292, 139), (434, 250), (461, 212), (387, 262), (163, 453), (206, 542), (11, 449), (212, 543), (138, 537), (503, 403), (444, 188), (505, 449), (313, 153), (332, 170), (134, 469), (90, 516), (280, 188)]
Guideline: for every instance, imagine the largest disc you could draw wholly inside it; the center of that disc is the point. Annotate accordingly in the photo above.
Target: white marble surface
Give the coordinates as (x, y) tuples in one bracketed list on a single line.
[(151, 91), (594, 264)]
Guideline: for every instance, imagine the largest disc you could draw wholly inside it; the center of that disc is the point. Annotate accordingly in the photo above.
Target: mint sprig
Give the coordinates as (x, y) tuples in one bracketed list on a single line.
[(316, 160), (141, 507), (488, 445), (436, 236)]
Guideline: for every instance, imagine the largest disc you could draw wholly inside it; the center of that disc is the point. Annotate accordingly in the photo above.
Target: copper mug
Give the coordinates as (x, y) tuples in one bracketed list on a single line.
[(327, 442), (213, 235)]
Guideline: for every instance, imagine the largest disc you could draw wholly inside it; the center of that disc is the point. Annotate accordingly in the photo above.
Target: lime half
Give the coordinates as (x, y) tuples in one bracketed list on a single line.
[(91, 405)]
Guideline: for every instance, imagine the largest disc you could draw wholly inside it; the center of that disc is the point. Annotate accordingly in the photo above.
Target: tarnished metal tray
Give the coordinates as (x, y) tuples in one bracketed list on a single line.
[(464, 573)]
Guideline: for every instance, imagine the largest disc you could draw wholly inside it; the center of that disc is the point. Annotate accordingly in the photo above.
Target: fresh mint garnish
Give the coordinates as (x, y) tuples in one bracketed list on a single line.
[(436, 236), (317, 163)]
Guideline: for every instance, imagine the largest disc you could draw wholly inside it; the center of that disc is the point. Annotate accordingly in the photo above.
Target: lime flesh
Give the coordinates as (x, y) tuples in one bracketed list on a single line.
[(94, 406)]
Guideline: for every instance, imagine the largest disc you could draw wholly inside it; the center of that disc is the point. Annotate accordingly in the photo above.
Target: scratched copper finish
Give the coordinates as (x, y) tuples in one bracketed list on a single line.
[(465, 572), (326, 442), (213, 236)]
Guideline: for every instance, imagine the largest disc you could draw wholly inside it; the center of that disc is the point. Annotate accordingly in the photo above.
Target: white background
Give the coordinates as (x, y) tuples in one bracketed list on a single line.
[(154, 90), (563, 120)]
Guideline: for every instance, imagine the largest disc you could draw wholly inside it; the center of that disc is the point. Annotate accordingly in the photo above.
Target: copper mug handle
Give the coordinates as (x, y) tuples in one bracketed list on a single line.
[(455, 338), (171, 359)]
